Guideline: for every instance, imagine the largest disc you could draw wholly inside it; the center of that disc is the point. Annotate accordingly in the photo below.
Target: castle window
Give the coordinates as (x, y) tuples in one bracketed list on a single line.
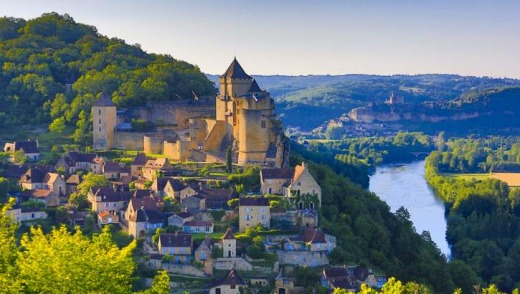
[(99, 121), (263, 124), (99, 111), (100, 129)]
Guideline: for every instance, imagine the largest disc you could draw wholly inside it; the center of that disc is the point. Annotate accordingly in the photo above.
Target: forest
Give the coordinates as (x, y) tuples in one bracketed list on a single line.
[(54, 68), (482, 217)]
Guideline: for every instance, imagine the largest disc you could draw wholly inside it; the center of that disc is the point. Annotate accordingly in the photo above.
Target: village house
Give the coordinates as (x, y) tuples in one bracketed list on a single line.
[(179, 219), (178, 245), (197, 226), (46, 197), (72, 184), (350, 278), (203, 255), (297, 183), (144, 221), (229, 244), (155, 168), (136, 167), (15, 171), (167, 186), (135, 204), (311, 240), (114, 170), (231, 284), (105, 198), (275, 180), (253, 211), (73, 161), (217, 198), (193, 204), (26, 214), (43, 186), (30, 148), (105, 218)]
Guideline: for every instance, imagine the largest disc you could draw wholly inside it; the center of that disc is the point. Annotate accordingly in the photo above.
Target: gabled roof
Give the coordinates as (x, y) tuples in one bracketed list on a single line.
[(33, 175), (146, 203), (142, 193), (40, 193), (298, 171), (158, 163), (140, 159), (147, 216), (196, 223), (184, 215), (335, 272), (15, 171), (74, 156), (253, 201), (104, 101), (277, 173), (112, 167), (217, 193), (228, 235), (235, 71), (108, 194), (73, 180), (313, 236), (27, 146), (175, 240), (232, 279), (50, 178)]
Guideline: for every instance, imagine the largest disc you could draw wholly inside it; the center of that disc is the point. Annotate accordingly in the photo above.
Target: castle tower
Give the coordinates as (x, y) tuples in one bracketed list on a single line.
[(229, 244), (104, 116)]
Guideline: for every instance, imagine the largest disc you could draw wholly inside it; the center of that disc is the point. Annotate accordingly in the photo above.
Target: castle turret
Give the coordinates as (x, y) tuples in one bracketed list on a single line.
[(104, 115)]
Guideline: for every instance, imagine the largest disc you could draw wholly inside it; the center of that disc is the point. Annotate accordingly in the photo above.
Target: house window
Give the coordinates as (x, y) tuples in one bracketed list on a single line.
[(207, 229), (99, 111), (263, 124), (203, 255), (182, 249), (263, 217), (248, 217), (217, 291), (248, 209), (32, 215)]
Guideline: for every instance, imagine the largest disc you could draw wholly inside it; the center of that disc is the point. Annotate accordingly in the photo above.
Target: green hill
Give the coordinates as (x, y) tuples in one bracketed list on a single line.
[(53, 68)]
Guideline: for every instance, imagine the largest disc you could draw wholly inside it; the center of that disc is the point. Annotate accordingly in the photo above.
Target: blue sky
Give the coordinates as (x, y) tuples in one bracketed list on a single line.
[(311, 37)]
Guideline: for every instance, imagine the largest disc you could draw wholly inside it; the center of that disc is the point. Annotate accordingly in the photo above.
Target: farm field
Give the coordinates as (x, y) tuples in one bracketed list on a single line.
[(512, 179)]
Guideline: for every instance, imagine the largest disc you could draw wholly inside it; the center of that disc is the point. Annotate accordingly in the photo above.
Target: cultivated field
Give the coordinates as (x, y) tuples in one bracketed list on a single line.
[(512, 179)]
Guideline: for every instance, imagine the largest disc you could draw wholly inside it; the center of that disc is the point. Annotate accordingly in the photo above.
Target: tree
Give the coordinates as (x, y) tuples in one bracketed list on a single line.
[(161, 284), (8, 251), (90, 180), (229, 159), (57, 125), (73, 263), (19, 156)]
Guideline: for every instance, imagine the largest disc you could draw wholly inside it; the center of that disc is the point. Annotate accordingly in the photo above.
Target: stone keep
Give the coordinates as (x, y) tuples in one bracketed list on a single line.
[(104, 116)]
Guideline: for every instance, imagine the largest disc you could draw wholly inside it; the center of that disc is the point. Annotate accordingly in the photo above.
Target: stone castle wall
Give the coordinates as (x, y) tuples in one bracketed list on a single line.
[(175, 112), (128, 140)]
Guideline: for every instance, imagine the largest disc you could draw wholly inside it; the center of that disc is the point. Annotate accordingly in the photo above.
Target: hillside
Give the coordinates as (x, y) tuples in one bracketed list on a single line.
[(318, 98), (53, 68), (489, 111)]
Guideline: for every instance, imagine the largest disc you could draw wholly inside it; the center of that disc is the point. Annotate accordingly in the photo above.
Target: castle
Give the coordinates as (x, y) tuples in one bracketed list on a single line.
[(242, 117)]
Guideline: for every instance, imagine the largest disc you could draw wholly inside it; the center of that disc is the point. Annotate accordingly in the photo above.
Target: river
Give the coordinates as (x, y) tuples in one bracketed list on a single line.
[(404, 185)]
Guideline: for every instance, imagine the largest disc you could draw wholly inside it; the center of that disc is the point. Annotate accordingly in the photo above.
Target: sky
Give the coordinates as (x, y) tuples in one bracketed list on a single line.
[(300, 37)]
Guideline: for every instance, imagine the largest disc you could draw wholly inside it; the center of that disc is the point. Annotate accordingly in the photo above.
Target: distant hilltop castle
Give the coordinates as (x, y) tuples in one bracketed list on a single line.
[(241, 117)]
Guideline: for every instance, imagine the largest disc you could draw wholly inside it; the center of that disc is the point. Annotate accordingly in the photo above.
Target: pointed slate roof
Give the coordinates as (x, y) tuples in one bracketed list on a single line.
[(235, 71), (254, 87), (104, 101), (229, 235)]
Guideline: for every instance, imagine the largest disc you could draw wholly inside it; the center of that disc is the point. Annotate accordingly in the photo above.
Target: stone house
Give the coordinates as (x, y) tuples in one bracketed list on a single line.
[(144, 221), (231, 284), (275, 180), (72, 184), (105, 218), (303, 184), (217, 198), (178, 245), (193, 204), (155, 168), (179, 219), (25, 214), (253, 211), (15, 171), (297, 183), (114, 170), (167, 186), (136, 168), (203, 255), (311, 240), (350, 278), (46, 197), (196, 226), (30, 148), (229, 244), (73, 161), (105, 198), (140, 203)]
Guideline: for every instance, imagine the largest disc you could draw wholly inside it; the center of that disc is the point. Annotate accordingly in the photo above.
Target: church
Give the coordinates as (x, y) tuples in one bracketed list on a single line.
[(241, 117)]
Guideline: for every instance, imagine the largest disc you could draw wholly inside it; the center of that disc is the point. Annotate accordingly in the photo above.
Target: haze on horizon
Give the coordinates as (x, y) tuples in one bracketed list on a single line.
[(478, 37)]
